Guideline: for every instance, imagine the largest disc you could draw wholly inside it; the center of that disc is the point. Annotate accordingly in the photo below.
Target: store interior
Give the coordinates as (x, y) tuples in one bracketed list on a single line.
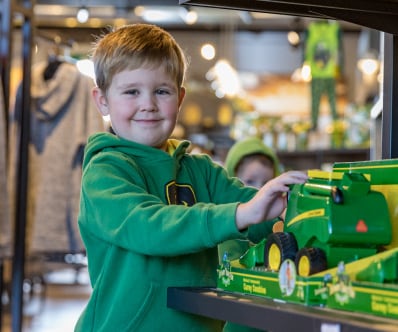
[(262, 90)]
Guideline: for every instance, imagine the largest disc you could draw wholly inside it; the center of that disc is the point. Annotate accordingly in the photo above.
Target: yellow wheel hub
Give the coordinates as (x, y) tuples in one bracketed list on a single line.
[(274, 257), (304, 266)]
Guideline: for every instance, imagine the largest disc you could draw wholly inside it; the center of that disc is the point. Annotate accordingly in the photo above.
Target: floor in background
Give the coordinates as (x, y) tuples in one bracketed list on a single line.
[(61, 306)]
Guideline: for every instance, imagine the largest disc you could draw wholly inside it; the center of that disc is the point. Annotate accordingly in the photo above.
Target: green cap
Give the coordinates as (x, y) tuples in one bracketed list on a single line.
[(248, 146)]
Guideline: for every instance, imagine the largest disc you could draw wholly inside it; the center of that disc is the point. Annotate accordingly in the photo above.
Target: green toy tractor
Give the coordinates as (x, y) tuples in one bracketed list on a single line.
[(333, 217)]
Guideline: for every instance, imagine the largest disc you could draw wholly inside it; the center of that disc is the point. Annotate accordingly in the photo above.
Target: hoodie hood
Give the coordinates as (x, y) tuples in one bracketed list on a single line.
[(102, 141), (51, 96), (248, 146)]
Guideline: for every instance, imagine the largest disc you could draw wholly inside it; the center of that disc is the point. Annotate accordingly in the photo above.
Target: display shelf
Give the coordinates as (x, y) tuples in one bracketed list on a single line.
[(267, 314), (315, 159)]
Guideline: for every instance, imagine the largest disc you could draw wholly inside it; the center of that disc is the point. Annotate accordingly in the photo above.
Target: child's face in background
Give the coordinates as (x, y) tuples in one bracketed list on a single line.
[(143, 105), (254, 173)]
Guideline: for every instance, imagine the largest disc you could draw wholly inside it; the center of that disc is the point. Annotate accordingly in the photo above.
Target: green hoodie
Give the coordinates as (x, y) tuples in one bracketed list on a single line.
[(150, 220)]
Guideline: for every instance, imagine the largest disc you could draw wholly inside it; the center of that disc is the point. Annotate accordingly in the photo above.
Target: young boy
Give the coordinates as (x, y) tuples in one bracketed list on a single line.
[(254, 163), (151, 215)]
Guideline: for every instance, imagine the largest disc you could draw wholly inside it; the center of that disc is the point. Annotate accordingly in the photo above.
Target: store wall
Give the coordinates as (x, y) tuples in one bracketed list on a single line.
[(266, 52)]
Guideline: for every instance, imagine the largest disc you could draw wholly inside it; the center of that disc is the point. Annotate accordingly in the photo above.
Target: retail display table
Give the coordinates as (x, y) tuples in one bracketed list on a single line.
[(267, 314)]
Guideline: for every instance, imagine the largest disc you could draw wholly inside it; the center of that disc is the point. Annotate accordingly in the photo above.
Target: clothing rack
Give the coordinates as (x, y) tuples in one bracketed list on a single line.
[(5, 15), (5, 52), (7, 25)]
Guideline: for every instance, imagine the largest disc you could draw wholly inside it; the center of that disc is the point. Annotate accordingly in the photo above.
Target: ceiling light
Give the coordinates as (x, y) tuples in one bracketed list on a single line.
[(369, 64), (157, 15), (293, 37), (191, 17), (188, 15), (82, 15), (208, 51), (225, 79), (139, 11)]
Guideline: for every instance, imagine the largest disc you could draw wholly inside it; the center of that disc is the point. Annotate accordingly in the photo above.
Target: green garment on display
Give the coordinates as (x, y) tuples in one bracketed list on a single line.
[(323, 55), (152, 220)]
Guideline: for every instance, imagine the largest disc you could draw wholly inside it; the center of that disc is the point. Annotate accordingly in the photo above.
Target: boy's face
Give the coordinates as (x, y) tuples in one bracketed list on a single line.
[(254, 173), (143, 105)]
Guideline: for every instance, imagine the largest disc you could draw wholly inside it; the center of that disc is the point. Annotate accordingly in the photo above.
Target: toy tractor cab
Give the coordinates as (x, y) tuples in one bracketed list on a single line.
[(333, 217)]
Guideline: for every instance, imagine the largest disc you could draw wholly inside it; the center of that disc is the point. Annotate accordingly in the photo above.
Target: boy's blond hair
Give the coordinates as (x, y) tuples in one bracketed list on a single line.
[(134, 46)]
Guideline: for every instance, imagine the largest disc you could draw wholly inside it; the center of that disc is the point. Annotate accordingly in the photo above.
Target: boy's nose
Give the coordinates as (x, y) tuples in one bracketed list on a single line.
[(148, 104)]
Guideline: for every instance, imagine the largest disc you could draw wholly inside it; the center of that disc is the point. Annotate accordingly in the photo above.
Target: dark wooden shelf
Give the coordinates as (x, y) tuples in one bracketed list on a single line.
[(376, 14), (266, 314), (314, 159)]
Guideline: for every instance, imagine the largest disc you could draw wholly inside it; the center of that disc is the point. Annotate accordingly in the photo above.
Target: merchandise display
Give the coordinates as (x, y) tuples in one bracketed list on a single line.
[(336, 248)]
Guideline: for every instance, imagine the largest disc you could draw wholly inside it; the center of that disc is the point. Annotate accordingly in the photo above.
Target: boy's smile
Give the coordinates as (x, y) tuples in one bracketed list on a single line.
[(143, 104)]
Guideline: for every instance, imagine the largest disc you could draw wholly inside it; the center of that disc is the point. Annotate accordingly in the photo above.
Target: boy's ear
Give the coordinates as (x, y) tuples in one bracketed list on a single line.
[(181, 96), (100, 101)]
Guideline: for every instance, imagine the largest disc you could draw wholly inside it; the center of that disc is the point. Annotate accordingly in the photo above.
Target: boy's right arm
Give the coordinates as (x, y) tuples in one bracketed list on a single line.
[(269, 202)]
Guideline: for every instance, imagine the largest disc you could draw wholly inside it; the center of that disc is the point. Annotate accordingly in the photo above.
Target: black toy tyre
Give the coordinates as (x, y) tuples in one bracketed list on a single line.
[(310, 261), (279, 247)]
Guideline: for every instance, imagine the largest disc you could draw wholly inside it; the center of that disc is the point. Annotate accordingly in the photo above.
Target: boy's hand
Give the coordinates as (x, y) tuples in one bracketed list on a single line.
[(269, 202)]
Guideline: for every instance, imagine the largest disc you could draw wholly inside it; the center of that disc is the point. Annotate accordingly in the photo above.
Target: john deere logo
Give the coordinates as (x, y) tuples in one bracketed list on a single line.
[(306, 215), (180, 194)]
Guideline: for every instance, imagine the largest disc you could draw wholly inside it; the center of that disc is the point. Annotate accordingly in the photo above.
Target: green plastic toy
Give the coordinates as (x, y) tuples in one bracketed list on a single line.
[(333, 217)]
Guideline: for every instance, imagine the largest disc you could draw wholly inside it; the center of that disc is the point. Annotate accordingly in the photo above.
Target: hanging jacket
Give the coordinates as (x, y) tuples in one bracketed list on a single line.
[(62, 116)]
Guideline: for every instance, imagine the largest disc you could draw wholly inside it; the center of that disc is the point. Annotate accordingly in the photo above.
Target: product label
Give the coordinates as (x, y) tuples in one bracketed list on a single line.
[(253, 286), (384, 305)]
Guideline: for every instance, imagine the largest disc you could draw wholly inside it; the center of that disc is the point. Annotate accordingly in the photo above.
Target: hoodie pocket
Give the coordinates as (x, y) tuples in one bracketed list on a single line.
[(146, 306)]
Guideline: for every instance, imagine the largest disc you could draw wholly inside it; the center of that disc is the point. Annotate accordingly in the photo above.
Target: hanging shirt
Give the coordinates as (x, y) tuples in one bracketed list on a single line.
[(322, 48)]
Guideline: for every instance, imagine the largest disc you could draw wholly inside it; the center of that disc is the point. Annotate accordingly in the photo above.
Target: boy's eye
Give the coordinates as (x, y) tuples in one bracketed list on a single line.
[(132, 92), (162, 92), (250, 182)]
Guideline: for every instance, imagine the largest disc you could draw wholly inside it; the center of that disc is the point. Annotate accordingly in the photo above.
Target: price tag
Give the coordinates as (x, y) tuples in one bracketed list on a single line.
[(327, 327)]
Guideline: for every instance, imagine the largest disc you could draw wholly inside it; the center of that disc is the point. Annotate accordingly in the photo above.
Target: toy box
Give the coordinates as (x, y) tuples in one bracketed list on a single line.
[(369, 285), (334, 248), (283, 286), (384, 178)]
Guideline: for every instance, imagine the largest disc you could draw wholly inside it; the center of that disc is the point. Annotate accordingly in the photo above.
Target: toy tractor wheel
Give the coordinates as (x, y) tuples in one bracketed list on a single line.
[(279, 247), (309, 261)]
